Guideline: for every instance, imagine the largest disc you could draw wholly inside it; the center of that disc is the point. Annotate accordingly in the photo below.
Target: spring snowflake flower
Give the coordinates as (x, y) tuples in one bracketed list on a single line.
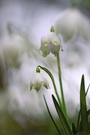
[(37, 81), (50, 43), (72, 24)]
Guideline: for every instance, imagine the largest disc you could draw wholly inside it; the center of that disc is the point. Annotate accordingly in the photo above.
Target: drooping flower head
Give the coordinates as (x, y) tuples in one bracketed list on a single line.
[(50, 43)]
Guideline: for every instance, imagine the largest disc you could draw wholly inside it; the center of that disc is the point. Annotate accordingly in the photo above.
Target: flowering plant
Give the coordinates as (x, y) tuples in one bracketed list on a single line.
[(52, 43)]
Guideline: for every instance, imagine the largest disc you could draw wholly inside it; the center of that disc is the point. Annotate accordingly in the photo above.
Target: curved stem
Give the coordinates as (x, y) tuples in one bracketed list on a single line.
[(53, 81)]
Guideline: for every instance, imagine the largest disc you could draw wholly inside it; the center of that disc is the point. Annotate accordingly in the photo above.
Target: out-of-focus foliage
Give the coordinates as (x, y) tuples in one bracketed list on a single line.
[(15, 116), (9, 126)]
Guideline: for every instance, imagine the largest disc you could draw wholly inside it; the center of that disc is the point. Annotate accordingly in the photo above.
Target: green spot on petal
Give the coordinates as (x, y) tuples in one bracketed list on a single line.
[(55, 53), (47, 86), (46, 43), (55, 42), (33, 85), (37, 89), (41, 82), (44, 53)]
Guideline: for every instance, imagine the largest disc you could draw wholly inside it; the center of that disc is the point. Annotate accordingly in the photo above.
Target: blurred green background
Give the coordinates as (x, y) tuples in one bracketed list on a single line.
[(22, 24)]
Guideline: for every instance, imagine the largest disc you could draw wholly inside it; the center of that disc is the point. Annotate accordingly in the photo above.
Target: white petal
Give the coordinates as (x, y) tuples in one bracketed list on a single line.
[(55, 40), (45, 40), (45, 84), (45, 49), (35, 84), (55, 49), (37, 81), (45, 45), (55, 43)]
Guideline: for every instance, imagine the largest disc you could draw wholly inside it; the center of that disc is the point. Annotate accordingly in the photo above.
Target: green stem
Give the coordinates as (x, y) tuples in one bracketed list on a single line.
[(53, 81), (60, 83)]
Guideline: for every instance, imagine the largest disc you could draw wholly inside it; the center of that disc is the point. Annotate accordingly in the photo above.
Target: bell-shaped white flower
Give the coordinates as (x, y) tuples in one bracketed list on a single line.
[(50, 43), (55, 43), (71, 24), (37, 81)]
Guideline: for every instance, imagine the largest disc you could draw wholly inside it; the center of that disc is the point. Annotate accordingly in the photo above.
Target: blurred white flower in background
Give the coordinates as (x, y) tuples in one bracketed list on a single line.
[(74, 28), (11, 49), (73, 24), (13, 46)]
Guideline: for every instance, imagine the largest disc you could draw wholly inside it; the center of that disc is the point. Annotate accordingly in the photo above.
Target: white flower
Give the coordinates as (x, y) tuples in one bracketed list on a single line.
[(72, 24), (37, 81), (12, 49), (50, 43)]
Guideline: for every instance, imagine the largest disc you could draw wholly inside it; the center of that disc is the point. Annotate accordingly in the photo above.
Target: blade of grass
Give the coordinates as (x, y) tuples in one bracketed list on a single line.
[(51, 116), (87, 89), (78, 122), (63, 120), (83, 107), (74, 129), (79, 114)]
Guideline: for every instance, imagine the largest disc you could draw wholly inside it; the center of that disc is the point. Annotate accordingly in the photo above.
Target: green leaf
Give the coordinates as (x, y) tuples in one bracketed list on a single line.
[(79, 114), (87, 89), (85, 3), (78, 122), (74, 129), (63, 120), (83, 107), (88, 112), (52, 117)]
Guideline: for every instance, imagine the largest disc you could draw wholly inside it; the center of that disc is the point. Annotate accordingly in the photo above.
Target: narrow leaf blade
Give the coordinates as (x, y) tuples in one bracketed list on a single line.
[(51, 116), (83, 107), (74, 129), (63, 120)]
